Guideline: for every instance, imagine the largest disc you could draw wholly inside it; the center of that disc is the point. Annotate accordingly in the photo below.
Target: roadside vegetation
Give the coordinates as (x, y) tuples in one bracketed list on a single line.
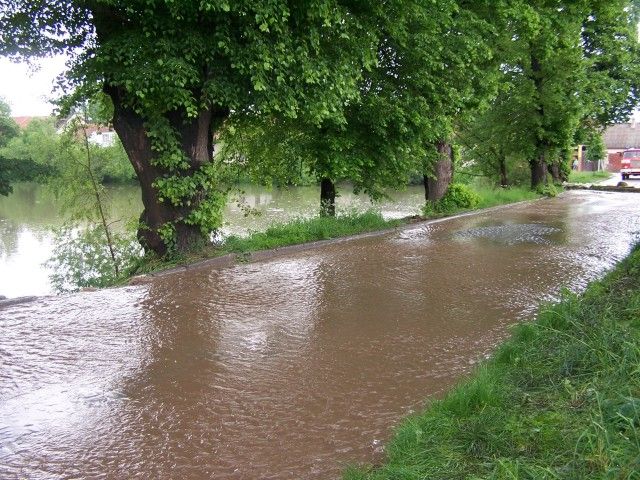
[(298, 231), (560, 399), (588, 177), (306, 230)]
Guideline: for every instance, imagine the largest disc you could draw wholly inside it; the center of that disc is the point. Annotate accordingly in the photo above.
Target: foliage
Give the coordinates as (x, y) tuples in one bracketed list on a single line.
[(548, 190), (596, 149), (82, 259), (561, 399), (84, 199), (588, 177), (175, 72), (566, 67), (8, 127), (429, 65), (8, 130), (38, 143), (458, 197), (37, 153)]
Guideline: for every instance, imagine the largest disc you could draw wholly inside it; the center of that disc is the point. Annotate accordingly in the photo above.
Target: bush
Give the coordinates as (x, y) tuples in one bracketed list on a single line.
[(458, 197), (82, 258), (548, 190)]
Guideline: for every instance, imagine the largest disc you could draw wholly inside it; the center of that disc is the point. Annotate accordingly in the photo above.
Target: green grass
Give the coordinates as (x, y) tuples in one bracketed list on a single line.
[(474, 197), (559, 400), (321, 228), (278, 235), (588, 177), (308, 230), (490, 197)]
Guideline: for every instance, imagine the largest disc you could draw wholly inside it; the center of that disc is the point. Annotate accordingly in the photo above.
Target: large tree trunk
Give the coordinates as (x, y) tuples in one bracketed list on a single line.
[(197, 143), (538, 172), (327, 197), (437, 183), (554, 170), (504, 179)]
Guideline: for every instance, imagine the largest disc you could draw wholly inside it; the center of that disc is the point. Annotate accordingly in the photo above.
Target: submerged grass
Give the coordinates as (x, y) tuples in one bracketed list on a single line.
[(588, 177), (560, 399)]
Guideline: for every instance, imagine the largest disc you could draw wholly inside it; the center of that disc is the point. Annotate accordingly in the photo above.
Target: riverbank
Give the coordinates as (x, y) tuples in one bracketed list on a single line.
[(560, 399), (317, 229)]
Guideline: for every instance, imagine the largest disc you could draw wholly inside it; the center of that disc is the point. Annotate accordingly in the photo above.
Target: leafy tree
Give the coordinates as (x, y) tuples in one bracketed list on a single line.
[(96, 255), (596, 150), (566, 66), (8, 129), (176, 70), (429, 64)]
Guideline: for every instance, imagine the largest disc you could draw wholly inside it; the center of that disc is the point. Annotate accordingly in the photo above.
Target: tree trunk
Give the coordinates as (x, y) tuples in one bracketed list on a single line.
[(504, 179), (538, 172), (197, 143), (327, 197), (437, 183), (554, 169)]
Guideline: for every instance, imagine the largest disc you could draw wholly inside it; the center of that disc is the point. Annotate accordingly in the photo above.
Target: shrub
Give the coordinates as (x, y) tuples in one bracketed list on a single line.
[(548, 190), (82, 258), (458, 197)]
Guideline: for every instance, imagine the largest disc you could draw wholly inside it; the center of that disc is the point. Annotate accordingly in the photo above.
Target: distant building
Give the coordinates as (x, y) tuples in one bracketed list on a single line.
[(102, 136), (24, 121)]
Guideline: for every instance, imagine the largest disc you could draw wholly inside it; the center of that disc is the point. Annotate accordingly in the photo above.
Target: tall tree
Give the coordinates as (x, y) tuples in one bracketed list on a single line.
[(176, 70), (430, 66), (565, 65)]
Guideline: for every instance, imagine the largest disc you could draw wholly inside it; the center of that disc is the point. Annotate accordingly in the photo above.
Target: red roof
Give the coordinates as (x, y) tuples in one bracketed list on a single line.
[(24, 121)]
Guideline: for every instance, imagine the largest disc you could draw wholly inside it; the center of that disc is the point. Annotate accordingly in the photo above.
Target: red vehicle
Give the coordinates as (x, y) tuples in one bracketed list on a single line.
[(630, 163)]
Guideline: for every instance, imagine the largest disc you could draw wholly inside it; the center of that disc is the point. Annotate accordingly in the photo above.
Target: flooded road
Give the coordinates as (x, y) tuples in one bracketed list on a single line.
[(288, 368)]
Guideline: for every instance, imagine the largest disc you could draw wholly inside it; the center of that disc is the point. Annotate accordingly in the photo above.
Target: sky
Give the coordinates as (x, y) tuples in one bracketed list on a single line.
[(27, 91)]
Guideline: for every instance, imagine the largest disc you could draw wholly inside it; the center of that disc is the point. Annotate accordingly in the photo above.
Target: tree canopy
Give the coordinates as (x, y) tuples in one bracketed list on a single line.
[(175, 71)]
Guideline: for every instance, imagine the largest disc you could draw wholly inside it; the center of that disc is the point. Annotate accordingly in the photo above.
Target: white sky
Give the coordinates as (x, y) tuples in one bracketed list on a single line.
[(27, 90)]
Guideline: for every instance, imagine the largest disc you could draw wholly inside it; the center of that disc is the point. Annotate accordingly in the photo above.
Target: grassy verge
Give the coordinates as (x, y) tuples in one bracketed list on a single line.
[(490, 197), (279, 235), (309, 230), (588, 177), (561, 399), (463, 198)]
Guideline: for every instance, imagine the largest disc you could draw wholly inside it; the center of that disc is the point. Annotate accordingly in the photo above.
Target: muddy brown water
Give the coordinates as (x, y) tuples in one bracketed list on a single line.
[(288, 368)]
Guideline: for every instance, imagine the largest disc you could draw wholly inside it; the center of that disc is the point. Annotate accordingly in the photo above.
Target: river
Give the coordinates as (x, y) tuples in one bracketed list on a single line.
[(292, 367), (28, 216)]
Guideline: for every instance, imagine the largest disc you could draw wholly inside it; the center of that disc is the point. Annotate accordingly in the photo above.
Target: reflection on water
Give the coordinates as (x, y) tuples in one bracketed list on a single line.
[(27, 216), (291, 367)]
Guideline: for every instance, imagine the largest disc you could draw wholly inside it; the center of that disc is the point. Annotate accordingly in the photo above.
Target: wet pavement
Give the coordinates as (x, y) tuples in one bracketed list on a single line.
[(291, 367)]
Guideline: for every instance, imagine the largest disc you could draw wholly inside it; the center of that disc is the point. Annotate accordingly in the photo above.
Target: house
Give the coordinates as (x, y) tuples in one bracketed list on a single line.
[(24, 121), (617, 139), (101, 135)]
